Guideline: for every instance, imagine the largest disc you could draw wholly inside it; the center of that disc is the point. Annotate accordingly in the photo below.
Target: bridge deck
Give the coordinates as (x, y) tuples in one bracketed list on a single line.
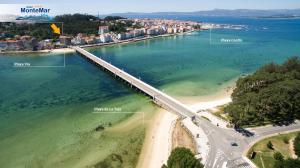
[(159, 97)]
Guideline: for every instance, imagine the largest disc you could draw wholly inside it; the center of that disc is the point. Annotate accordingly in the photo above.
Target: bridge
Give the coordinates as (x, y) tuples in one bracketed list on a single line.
[(157, 96)]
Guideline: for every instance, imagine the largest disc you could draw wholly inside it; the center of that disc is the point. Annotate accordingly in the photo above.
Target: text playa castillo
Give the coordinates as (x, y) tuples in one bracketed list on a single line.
[(35, 9)]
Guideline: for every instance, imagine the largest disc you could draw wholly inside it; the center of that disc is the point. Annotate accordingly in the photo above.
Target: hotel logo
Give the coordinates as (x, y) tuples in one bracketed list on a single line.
[(35, 9)]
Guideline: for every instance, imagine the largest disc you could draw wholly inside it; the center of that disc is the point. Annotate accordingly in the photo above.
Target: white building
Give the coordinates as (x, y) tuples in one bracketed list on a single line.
[(121, 36), (105, 38), (103, 30), (78, 40), (151, 31)]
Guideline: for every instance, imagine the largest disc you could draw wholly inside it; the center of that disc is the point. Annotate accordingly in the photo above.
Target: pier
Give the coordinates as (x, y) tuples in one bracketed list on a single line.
[(157, 96)]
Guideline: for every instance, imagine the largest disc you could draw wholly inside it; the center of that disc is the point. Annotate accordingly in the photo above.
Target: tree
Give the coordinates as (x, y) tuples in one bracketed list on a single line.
[(182, 158), (297, 145), (269, 95), (278, 156), (289, 163), (270, 145), (286, 140), (113, 18)]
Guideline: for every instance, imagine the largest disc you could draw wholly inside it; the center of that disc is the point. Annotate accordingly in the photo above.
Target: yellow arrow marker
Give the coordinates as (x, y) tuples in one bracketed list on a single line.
[(55, 29)]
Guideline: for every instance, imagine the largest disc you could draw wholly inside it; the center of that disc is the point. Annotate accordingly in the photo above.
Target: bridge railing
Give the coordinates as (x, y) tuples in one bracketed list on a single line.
[(156, 94)]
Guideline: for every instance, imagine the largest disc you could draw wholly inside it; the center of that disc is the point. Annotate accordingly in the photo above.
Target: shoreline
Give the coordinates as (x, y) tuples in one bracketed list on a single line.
[(133, 40), (158, 141), (70, 50), (220, 97), (157, 144), (58, 51)]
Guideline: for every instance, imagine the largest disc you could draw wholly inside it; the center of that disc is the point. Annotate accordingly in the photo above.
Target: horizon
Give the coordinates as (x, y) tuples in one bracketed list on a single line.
[(2, 12), (95, 7)]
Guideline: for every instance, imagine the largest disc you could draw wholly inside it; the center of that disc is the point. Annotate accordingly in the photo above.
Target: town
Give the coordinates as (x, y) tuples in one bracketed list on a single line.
[(139, 29)]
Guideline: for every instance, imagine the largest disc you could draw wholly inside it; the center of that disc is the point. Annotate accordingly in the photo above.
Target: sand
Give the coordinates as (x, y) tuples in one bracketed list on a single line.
[(62, 50), (182, 138), (158, 142), (157, 145)]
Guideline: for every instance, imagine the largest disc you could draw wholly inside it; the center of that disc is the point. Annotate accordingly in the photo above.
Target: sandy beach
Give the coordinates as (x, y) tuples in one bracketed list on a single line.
[(157, 145), (62, 50), (70, 50), (58, 51), (158, 142)]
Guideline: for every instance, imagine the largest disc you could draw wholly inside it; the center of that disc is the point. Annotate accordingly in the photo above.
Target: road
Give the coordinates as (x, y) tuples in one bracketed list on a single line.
[(223, 154)]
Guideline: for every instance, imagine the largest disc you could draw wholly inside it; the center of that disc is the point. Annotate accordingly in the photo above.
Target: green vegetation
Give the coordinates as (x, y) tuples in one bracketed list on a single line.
[(286, 140), (120, 26), (70, 25), (270, 95), (113, 18), (289, 163), (38, 30), (270, 145), (79, 23), (197, 26), (221, 113), (278, 157), (206, 118), (182, 157), (297, 145)]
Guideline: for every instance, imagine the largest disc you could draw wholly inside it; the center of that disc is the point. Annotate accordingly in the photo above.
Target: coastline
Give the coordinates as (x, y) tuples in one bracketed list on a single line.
[(158, 141), (70, 50), (157, 144), (133, 40), (221, 97), (56, 51)]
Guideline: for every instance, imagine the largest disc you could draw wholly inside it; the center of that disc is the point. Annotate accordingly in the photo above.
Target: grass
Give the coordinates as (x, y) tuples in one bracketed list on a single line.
[(206, 118), (220, 113), (263, 153), (225, 116)]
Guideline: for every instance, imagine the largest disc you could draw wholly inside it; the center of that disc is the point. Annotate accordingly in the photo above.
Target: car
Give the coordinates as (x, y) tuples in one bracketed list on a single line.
[(243, 131), (233, 144)]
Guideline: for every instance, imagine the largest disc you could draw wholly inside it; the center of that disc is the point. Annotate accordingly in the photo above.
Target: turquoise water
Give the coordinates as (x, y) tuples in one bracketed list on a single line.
[(193, 65), (45, 112)]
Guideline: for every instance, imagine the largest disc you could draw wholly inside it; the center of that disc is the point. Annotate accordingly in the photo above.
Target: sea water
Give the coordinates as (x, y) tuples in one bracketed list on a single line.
[(48, 111)]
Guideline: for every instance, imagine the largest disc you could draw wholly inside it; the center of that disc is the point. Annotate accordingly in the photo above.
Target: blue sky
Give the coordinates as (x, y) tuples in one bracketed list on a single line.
[(114, 6)]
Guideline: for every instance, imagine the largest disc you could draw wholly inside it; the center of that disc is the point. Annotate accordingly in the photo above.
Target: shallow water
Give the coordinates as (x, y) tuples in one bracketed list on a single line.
[(47, 113)]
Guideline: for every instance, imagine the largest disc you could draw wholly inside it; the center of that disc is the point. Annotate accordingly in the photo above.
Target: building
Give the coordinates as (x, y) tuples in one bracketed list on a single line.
[(175, 30), (12, 45), (138, 32), (45, 44), (103, 30), (170, 30), (90, 40), (105, 38), (33, 43), (78, 40), (151, 31), (65, 40), (3, 45), (121, 36), (128, 35)]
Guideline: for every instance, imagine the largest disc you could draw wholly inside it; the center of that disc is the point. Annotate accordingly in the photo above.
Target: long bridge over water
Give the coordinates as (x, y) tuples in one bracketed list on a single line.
[(157, 96)]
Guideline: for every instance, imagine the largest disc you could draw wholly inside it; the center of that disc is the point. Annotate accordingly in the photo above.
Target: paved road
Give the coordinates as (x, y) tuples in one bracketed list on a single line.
[(222, 154)]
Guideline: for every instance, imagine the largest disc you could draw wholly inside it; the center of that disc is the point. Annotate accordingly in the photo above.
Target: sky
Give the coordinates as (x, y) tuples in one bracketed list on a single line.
[(120, 6)]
